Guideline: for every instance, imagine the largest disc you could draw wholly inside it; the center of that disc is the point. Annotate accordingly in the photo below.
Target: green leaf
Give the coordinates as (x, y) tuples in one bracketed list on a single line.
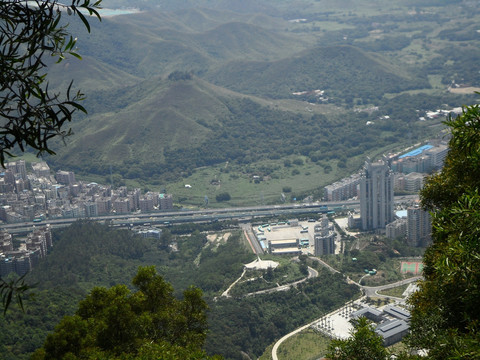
[(82, 17)]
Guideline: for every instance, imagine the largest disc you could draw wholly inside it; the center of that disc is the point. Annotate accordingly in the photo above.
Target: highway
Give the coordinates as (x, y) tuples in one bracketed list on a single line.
[(183, 216), (204, 215)]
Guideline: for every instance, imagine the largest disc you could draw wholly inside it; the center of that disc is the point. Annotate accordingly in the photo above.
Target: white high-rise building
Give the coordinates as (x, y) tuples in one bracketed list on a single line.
[(376, 195)]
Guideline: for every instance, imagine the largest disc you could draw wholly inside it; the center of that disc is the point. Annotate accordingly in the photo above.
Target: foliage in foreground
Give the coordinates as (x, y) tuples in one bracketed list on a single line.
[(31, 32), (116, 323), (445, 316), (364, 344), (30, 114)]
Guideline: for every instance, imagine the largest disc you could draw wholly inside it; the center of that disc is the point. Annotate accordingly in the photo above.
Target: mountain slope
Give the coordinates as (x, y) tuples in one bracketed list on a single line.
[(170, 127), (161, 114), (157, 43), (89, 74), (343, 71)]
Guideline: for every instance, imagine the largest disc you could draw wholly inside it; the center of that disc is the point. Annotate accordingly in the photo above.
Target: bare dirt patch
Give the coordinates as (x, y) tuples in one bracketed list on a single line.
[(464, 90)]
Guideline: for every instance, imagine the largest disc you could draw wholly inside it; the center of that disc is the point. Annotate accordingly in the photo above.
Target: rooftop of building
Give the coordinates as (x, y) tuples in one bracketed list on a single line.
[(417, 151), (286, 250), (397, 312), (391, 328)]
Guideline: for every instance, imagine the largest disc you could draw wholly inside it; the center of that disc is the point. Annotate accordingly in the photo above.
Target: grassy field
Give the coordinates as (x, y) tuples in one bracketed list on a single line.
[(242, 187), (307, 345), (301, 180), (396, 291)]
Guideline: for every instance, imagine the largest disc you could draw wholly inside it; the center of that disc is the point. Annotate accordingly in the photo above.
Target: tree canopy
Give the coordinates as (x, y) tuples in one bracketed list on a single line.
[(363, 344), (116, 323), (30, 31), (445, 313)]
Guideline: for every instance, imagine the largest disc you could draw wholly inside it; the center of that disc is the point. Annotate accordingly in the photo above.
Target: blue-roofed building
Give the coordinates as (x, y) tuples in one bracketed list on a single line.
[(416, 151), (422, 159)]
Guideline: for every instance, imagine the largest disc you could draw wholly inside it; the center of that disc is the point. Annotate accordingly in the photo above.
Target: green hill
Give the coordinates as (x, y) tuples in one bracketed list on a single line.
[(156, 43), (89, 74), (342, 71), (164, 128), (150, 130), (145, 119)]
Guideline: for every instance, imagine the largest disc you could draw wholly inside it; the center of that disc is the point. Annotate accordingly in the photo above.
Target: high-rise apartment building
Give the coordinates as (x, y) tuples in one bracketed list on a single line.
[(376, 195), (165, 202), (65, 177), (18, 168), (419, 226), (324, 238), (41, 169), (343, 189)]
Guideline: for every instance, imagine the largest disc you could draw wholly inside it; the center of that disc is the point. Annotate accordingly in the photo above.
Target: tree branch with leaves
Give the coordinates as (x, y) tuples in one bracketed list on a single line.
[(31, 115), (445, 313), (30, 32)]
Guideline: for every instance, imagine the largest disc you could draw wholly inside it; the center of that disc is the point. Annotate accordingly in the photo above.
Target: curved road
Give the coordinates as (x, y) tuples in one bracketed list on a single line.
[(373, 290), (312, 273), (368, 291)]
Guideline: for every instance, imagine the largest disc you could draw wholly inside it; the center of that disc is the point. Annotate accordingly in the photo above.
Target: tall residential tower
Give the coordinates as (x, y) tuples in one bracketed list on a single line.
[(376, 195)]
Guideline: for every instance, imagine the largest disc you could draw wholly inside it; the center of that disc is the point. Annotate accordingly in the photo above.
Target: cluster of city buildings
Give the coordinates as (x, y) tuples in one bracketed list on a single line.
[(374, 186), (415, 227), (22, 259), (409, 171), (377, 208), (41, 195)]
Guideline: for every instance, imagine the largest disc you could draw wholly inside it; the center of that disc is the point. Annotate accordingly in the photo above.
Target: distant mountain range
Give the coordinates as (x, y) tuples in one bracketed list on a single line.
[(238, 71)]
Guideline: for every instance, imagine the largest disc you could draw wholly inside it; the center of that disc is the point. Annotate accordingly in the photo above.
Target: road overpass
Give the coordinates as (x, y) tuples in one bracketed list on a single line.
[(203, 215)]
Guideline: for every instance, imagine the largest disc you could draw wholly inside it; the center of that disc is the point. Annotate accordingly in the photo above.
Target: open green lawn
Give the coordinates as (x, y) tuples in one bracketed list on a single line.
[(243, 188), (307, 345), (396, 291)]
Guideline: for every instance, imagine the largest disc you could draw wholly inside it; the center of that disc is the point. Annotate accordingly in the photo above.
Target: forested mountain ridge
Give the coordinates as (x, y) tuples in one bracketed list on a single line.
[(198, 124), (366, 65), (342, 71)]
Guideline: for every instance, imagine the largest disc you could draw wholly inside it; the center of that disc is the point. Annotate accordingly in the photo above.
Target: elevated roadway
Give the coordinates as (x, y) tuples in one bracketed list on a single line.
[(174, 217)]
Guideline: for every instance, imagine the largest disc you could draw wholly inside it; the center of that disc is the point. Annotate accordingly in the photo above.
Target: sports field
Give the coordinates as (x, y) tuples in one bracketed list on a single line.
[(413, 267)]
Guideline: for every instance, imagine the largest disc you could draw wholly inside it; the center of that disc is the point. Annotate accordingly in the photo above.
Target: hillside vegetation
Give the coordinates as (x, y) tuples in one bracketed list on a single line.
[(178, 87), (343, 72), (88, 254)]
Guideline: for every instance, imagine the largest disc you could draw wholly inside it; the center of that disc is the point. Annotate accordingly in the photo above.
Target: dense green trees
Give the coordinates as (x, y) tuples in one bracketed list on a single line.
[(248, 325), (364, 344), (89, 254), (224, 196), (149, 323), (445, 315)]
